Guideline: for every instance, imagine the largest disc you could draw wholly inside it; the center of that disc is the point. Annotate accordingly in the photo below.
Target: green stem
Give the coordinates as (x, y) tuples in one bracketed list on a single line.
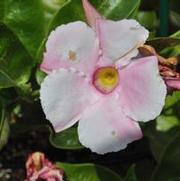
[(164, 16)]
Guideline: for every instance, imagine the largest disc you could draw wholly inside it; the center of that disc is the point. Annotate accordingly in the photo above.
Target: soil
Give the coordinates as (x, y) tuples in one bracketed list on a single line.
[(13, 156)]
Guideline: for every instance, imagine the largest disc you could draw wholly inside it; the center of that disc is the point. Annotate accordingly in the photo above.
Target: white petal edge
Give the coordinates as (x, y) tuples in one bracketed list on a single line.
[(142, 91), (105, 128), (73, 45), (64, 95), (120, 38)]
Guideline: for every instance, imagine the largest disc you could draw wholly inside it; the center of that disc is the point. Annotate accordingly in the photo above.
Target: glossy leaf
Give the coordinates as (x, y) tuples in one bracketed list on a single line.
[(72, 11), (118, 9), (4, 128), (29, 20), (15, 63), (88, 172), (112, 9), (148, 19), (67, 139)]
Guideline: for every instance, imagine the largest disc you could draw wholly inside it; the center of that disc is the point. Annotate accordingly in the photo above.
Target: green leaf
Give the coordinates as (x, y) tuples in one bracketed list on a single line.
[(112, 9), (71, 11), (148, 19), (15, 63), (131, 175), (170, 116), (40, 75), (29, 20), (4, 128), (176, 34), (168, 167), (174, 13), (88, 172), (159, 139), (171, 52), (26, 93), (175, 18), (67, 139), (118, 9), (174, 50), (163, 42), (175, 179)]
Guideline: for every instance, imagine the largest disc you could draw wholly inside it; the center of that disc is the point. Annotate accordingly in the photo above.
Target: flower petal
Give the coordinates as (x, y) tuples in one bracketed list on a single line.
[(105, 128), (119, 38), (91, 13), (72, 45), (142, 90), (64, 95)]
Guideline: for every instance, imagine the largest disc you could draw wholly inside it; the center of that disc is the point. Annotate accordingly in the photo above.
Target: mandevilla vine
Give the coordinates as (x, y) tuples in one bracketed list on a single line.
[(89, 91)]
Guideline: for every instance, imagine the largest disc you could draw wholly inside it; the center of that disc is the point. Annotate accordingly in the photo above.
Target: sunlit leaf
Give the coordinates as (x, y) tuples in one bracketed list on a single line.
[(29, 20), (118, 9), (176, 34), (40, 75), (15, 63), (112, 9), (170, 116)]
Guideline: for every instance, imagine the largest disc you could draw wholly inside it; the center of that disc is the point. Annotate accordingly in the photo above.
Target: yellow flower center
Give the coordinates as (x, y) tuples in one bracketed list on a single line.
[(106, 79)]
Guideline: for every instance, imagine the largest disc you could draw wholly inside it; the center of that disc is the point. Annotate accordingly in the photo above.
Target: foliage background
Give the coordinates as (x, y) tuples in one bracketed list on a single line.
[(24, 28)]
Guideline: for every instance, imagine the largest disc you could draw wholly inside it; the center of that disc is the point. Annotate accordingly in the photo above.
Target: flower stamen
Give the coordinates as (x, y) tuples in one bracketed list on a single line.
[(105, 79)]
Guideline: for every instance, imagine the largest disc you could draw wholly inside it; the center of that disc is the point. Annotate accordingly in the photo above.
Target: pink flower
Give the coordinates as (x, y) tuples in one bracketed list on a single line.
[(94, 79), (38, 167)]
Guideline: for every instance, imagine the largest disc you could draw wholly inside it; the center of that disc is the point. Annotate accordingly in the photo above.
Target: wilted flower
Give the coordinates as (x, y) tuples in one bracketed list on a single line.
[(95, 79), (167, 67), (40, 168)]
